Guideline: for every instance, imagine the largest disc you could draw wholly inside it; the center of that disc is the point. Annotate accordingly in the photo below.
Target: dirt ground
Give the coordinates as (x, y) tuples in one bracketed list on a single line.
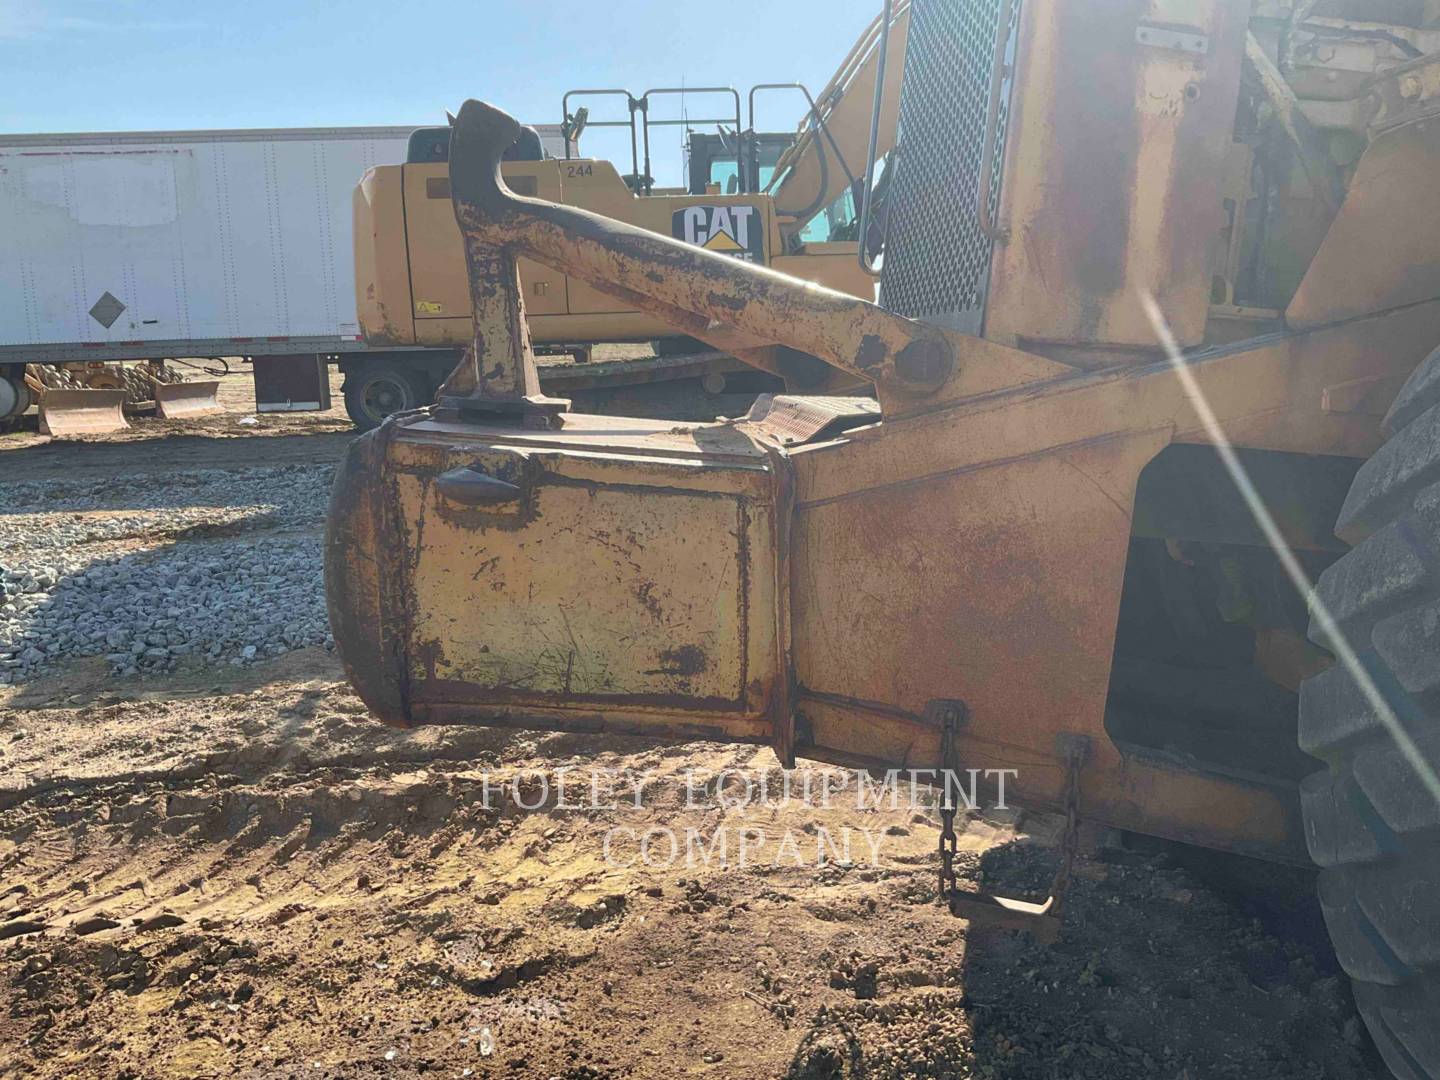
[(235, 872)]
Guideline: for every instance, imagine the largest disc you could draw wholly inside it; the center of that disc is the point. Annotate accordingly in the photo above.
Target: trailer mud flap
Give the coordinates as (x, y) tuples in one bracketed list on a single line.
[(82, 412), (181, 401)]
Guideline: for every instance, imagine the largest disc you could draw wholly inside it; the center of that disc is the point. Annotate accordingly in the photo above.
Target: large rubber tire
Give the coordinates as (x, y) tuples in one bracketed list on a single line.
[(379, 389), (1371, 824)]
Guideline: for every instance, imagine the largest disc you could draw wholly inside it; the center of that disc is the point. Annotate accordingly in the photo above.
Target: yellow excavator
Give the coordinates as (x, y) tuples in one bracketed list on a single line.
[(786, 201), (1154, 348)]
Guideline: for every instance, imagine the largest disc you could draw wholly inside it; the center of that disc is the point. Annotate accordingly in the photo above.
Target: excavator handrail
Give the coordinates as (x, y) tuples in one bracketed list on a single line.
[(845, 128), (863, 252), (688, 121), (631, 103), (990, 147), (640, 139)]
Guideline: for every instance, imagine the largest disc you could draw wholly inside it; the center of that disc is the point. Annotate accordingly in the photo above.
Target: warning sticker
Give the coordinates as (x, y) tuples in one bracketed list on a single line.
[(725, 230), (428, 307)]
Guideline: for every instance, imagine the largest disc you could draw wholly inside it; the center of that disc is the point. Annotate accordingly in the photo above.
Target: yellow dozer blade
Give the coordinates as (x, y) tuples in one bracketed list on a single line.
[(181, 401), (81, 412)]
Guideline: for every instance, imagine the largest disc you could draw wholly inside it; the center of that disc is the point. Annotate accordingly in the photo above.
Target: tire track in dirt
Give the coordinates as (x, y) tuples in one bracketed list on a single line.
[(263, 882)]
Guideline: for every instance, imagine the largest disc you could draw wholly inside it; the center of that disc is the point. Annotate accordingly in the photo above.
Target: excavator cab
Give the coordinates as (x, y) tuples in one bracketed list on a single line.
[(1146, 267)]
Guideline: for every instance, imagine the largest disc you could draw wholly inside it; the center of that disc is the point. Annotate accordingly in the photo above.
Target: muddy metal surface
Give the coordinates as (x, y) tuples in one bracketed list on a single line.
[(224, 870)]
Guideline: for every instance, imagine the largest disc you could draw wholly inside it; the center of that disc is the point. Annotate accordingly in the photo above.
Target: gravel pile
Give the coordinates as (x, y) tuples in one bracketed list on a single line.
[(223, 564)]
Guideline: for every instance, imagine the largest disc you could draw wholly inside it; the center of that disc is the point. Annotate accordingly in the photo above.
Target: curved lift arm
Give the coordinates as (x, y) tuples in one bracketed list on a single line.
[(735, 306)]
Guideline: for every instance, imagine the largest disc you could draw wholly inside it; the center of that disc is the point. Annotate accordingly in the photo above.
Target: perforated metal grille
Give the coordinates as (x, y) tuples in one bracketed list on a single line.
[(937, 259)]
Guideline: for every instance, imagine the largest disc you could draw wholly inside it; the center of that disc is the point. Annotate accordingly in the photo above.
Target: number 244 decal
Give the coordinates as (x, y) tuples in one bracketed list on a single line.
[(579, 170)]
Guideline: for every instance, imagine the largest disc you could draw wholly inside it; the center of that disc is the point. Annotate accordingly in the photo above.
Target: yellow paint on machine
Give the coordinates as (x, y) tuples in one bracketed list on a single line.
[(629, 581), (731, 581), (522, 614), (408, 246)]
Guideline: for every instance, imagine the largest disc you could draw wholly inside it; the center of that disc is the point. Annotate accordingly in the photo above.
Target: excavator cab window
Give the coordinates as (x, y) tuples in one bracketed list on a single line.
[(726, 175), (836, 222), (713, 159)]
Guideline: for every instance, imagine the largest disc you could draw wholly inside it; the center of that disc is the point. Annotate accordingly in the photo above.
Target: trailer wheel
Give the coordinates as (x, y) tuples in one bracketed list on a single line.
[(379, 389), (15, 396), (1371, 823)]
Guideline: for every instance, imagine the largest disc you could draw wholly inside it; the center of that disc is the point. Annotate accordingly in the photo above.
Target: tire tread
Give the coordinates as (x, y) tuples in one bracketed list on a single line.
[(1371, 823)]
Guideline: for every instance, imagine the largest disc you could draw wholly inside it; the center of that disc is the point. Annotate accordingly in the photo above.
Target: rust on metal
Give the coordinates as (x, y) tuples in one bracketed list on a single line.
[(953, 553), (747, 310), (790, 419), (783, 685), (1115, 187), (1383, 249), (1042, 919), (496, 374), (361, 594), (968, 543), (668, 276)]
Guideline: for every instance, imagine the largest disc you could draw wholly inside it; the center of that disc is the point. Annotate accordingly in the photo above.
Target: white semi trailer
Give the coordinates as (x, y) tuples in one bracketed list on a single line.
[(153, 245)]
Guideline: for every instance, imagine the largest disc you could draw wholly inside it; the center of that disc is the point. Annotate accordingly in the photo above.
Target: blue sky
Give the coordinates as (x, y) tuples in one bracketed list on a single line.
[(113, 65)]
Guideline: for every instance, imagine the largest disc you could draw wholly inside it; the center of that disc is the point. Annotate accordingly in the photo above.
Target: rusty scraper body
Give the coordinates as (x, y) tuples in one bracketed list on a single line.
[(810, 628)]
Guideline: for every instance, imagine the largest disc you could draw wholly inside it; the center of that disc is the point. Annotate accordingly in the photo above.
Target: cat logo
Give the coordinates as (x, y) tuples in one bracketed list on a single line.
[(737, 231)]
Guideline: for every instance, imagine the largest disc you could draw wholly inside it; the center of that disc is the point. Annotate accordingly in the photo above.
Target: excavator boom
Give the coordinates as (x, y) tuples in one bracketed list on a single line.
[(831, 149)]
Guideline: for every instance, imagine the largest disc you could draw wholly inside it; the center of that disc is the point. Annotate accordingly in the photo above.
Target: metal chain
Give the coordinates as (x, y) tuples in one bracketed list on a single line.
[(949, 766), (1070, 838), (1076, 750)]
